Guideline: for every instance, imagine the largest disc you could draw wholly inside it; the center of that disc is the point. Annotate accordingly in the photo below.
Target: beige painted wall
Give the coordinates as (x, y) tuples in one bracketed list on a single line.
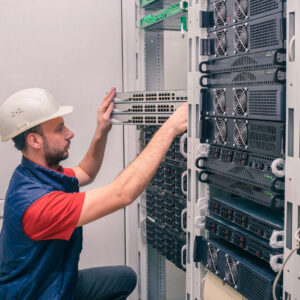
[(72, 48)]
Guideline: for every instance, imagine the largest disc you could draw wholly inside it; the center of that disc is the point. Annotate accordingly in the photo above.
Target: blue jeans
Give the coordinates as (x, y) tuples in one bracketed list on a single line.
[(105, 283)]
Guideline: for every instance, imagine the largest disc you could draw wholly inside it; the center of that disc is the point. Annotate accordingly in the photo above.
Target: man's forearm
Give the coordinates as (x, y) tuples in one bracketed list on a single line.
[(139, 173), (131, 182), (92, 161)]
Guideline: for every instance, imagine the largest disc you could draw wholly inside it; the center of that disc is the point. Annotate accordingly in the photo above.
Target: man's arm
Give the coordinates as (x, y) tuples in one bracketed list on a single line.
[(90, 165), (134, 178)]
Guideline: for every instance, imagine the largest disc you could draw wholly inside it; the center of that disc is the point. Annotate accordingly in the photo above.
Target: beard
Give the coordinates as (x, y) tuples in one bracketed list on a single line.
[(53, 156)]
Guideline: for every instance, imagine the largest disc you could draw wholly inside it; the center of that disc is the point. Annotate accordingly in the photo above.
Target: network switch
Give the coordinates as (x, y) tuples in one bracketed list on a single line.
[(151, 96), (139, 119), (247, 214), (259, 102), (241, 238), (146, 108), (253, 279)]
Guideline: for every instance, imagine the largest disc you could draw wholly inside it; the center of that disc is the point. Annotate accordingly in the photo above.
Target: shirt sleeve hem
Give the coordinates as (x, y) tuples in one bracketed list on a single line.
[(81, 197)]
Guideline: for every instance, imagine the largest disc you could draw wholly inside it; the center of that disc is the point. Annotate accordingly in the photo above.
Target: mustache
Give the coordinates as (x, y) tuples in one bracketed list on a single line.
[(68, 144)]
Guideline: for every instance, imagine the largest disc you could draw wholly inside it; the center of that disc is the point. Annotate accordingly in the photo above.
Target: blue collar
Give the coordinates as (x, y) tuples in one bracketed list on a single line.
[(54, 178)]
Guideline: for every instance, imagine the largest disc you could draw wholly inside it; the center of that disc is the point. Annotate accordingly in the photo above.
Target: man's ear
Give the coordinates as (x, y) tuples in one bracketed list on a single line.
[(34, 141)]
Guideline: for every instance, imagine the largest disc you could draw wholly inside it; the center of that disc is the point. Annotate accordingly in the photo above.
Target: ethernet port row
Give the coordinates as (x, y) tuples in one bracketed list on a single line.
[(165, 108), (150, 120), (136, 108), (136, 120), (162, 119), (150, 108)]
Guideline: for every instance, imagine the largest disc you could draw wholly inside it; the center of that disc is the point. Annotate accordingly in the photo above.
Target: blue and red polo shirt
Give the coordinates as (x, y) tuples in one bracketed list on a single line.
[(55, 215)]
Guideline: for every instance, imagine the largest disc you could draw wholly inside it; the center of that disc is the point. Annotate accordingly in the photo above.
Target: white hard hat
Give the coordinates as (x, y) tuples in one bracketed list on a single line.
[(26, 109)]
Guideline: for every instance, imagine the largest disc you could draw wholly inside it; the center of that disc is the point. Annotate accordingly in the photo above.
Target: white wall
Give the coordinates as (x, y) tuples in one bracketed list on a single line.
[(72, 48)]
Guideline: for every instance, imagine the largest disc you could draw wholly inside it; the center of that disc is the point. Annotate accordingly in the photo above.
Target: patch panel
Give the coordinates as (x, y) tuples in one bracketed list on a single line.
[(166, 18), (250, 277), (259, 102), (241, 238), (247, 215)]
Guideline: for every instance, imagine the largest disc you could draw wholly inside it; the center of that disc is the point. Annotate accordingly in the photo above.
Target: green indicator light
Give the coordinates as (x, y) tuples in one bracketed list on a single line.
[(185, 5), (183, 26), (268, 176), (269, 194)]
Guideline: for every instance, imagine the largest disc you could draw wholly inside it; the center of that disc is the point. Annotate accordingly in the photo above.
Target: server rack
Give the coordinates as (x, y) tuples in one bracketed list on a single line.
[(151, 266)]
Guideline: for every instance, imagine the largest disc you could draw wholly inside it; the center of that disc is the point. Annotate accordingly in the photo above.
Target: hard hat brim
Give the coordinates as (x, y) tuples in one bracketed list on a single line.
[(62, 111)]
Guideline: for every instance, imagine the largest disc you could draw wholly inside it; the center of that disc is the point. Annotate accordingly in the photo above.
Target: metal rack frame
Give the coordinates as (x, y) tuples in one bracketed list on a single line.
[(140, 74)]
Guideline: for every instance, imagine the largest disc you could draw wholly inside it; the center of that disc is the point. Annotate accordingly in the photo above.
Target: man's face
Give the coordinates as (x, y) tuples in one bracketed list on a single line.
[(56, 141)]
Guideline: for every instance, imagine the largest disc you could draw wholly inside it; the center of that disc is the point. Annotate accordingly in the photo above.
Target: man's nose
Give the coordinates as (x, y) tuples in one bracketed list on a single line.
[(69, 134)]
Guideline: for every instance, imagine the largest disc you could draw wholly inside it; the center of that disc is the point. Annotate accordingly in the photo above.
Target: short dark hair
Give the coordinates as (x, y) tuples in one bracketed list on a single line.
[(20, 140)]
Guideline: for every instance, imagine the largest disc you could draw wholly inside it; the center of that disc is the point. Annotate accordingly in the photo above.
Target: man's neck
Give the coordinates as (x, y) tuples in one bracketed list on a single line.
[(40, 161)]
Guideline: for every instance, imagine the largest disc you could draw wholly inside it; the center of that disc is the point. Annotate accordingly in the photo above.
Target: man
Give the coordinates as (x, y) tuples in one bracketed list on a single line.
[(44, 212)]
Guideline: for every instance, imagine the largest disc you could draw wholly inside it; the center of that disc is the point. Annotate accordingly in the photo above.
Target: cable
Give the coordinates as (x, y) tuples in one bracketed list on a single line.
[(291, 53), (297, 237), (277, 167)]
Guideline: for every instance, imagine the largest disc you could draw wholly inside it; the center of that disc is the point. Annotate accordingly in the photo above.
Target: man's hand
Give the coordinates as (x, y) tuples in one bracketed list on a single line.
[(88, 168), (178, 121), (104, 112)]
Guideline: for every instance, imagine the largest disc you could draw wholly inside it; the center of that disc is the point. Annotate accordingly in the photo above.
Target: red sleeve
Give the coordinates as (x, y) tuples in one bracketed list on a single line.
[(54, 216), (69, 172)]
